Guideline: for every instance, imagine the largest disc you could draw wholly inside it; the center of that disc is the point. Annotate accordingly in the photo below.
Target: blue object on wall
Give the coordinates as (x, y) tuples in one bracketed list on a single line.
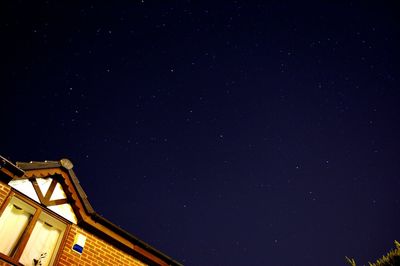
[(77, 248)]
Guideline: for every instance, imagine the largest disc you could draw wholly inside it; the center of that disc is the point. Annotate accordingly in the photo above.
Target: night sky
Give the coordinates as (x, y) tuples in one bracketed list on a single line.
[(221, 132)]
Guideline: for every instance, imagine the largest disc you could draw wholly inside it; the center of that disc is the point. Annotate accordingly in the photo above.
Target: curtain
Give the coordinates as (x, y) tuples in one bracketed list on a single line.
[(41, 244), (13, 222)]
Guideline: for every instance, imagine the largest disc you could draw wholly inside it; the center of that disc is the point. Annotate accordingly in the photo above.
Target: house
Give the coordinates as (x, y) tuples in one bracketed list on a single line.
[(46, 219)]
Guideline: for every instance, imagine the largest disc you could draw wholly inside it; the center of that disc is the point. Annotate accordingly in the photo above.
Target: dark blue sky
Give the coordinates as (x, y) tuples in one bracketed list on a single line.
[(229, 133)]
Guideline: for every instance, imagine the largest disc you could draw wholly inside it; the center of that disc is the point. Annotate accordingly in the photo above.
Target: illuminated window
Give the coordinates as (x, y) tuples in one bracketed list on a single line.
[(29, 235)]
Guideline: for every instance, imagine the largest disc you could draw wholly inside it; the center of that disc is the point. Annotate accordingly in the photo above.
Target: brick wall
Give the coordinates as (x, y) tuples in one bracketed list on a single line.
[(95, 252), (4, 190)]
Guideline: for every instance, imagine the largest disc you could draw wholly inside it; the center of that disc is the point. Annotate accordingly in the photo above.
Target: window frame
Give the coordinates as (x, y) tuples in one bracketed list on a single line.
[(39, 208)]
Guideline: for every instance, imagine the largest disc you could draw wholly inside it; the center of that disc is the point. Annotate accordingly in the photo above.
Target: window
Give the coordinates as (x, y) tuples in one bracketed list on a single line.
[(29, 235)]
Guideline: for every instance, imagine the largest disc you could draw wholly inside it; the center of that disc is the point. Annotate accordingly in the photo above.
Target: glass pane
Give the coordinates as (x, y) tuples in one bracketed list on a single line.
[(41, 246), (13, 222)]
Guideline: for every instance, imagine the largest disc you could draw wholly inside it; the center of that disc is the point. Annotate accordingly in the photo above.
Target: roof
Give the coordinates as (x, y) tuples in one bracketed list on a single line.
[(89, 218), (8, 169)]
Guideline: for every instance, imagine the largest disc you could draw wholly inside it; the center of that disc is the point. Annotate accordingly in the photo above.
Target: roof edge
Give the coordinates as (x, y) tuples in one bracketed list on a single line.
[(38, 165), (12, 168), (134, 239)]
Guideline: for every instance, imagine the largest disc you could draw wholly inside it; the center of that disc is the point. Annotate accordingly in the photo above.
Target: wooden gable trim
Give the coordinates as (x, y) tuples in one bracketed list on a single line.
[(37, 190), (56, 202), (66, 184), (46, 198), (50, 190), (6, 174)]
